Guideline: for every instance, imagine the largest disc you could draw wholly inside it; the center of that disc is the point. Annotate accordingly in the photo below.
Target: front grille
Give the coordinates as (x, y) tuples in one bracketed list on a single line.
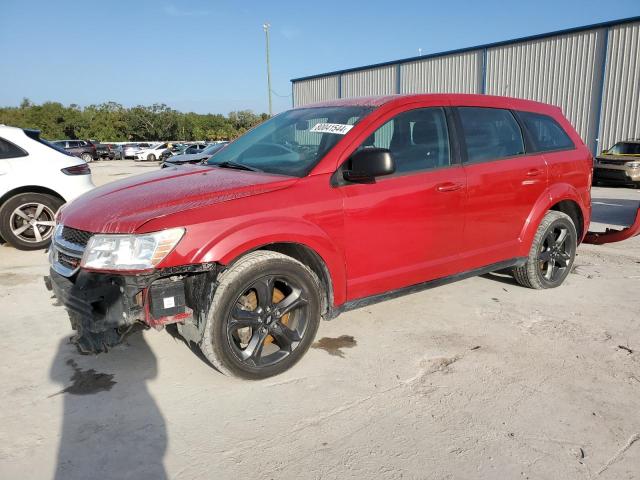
[(77, 237), (68, 261)]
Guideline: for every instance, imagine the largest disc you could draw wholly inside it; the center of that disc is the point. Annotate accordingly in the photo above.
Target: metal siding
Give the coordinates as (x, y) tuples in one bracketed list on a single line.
[(315, 90), (375, 81), (563, 71), (620, 118), (459, 73)]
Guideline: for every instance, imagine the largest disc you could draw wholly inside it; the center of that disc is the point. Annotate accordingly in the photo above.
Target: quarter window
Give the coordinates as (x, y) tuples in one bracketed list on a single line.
[(546, 134), (9, 150), (417, 139), (490, 134)]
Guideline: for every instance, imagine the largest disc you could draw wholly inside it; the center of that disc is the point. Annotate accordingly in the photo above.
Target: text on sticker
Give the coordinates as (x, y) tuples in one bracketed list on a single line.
[(339, 128)]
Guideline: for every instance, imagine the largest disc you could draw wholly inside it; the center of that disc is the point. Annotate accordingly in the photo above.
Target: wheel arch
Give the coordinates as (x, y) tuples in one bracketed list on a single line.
[(29, 189), (302, 241), (311, 259), (560, 197)]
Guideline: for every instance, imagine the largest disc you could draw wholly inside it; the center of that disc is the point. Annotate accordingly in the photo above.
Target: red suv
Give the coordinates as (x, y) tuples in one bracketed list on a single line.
[(319, 210)]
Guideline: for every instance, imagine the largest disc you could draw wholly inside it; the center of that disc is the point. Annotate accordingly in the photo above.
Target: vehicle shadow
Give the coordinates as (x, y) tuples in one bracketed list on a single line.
[(501, 277), (172, 330), (614, 211), (111, 426)]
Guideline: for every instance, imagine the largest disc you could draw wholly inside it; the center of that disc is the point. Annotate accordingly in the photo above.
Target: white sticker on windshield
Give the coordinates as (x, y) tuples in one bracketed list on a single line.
[(339, 128)]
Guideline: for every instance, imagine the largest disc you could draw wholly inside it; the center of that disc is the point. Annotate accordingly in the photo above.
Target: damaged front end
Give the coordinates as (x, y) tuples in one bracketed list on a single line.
[(611, 235), (104, 307)]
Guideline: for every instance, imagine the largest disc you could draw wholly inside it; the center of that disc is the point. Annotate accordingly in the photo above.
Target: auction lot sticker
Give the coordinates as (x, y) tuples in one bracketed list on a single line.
[(339, 128)]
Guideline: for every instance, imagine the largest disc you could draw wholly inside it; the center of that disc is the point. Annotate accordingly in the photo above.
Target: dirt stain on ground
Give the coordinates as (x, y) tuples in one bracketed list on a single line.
[(87, 382), (333, 346)]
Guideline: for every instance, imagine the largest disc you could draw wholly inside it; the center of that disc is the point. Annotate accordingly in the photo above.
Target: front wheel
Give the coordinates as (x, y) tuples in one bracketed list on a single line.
[(151, 157), (552, 253), (263, 317)]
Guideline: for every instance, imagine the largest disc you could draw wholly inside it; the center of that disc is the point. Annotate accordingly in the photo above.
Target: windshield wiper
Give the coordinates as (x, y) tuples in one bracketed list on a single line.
[(237, 166)]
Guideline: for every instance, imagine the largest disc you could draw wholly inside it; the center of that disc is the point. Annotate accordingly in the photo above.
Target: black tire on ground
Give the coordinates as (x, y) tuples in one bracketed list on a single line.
[(87, 157), (151, 157), (250, 351), (16, 229), (552, 253)]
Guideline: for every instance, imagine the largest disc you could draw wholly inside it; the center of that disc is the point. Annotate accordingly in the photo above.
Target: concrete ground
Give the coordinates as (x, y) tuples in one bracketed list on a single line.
[(477, 379)]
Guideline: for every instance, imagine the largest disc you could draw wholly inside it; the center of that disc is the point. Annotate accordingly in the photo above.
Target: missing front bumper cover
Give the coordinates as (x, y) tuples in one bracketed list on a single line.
[(104, 307)]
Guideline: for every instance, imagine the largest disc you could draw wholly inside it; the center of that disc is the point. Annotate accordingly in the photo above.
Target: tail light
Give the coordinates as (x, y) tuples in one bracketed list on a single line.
[(82, 169)]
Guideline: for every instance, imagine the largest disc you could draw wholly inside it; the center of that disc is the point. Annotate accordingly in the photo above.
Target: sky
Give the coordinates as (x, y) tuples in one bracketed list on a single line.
[(208, 56)]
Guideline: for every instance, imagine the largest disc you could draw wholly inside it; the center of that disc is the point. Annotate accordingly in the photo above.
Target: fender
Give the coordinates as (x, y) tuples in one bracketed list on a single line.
[(231, 244), (552, 195)]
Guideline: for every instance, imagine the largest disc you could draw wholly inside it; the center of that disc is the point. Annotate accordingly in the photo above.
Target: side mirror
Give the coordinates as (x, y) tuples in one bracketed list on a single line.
[(368, 164)]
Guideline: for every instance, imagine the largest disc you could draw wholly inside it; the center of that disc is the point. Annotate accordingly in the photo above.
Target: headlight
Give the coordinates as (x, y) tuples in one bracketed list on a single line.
[(130, 252), (633, 164)]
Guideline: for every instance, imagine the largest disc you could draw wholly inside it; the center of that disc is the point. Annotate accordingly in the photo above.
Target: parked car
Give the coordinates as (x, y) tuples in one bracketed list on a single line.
[(130, 149), (101, 149), (620, 164), (175, 149), (193, 158), (322, 209), (151, 153), (116, 152), (80, 148), (36, 178)]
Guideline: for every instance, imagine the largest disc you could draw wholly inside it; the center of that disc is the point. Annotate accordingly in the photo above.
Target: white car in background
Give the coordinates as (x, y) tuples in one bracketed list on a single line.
[(150, 154), (36, 179), (129, 149)]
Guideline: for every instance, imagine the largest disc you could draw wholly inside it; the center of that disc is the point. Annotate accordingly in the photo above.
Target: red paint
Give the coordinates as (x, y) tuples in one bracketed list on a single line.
[(612, 235), (396, 232)]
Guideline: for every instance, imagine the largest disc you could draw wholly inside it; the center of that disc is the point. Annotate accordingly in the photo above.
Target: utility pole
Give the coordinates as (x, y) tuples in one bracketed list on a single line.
[(266, 26)]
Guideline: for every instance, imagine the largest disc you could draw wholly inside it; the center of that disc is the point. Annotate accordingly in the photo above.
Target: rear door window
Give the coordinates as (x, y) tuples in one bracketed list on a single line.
[(547, 135), (490, 134), (10, 150)]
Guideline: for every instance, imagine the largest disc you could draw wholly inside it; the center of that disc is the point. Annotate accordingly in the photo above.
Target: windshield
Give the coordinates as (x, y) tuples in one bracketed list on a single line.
[(293, 142), (624, 148)]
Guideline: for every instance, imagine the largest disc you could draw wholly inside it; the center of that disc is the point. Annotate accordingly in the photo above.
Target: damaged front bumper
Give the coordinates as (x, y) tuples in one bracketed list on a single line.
[(612, 235), (103, 307)]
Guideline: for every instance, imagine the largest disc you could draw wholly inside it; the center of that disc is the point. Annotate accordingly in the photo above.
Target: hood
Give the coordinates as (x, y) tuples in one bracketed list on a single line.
[(619, 158), (125, 205)]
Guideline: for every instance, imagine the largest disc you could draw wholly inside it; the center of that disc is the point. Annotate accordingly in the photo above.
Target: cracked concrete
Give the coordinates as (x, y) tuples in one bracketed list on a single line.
[(547, 395)]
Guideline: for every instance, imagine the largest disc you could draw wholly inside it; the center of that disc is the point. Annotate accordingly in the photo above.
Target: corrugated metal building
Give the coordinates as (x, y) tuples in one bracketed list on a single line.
[(591, 72)]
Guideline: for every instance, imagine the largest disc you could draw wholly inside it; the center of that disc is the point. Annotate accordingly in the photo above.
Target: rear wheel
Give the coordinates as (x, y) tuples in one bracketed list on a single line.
[(27, 220), (87, 157), (151, 157), (263, 317), (552, 253)]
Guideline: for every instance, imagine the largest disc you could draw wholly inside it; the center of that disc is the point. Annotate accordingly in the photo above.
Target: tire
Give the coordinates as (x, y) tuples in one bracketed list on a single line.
[(290, 333), (87, 157), (37, 207), (151, 157), (552, 253)]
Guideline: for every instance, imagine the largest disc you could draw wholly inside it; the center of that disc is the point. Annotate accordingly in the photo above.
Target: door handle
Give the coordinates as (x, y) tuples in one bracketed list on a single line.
[(449, 187), (534, 172)]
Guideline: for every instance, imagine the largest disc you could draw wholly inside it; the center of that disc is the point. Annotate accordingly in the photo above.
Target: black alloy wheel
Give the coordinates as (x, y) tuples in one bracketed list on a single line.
[(267, 321), (552, 253), (263, 316), (556, 253)]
